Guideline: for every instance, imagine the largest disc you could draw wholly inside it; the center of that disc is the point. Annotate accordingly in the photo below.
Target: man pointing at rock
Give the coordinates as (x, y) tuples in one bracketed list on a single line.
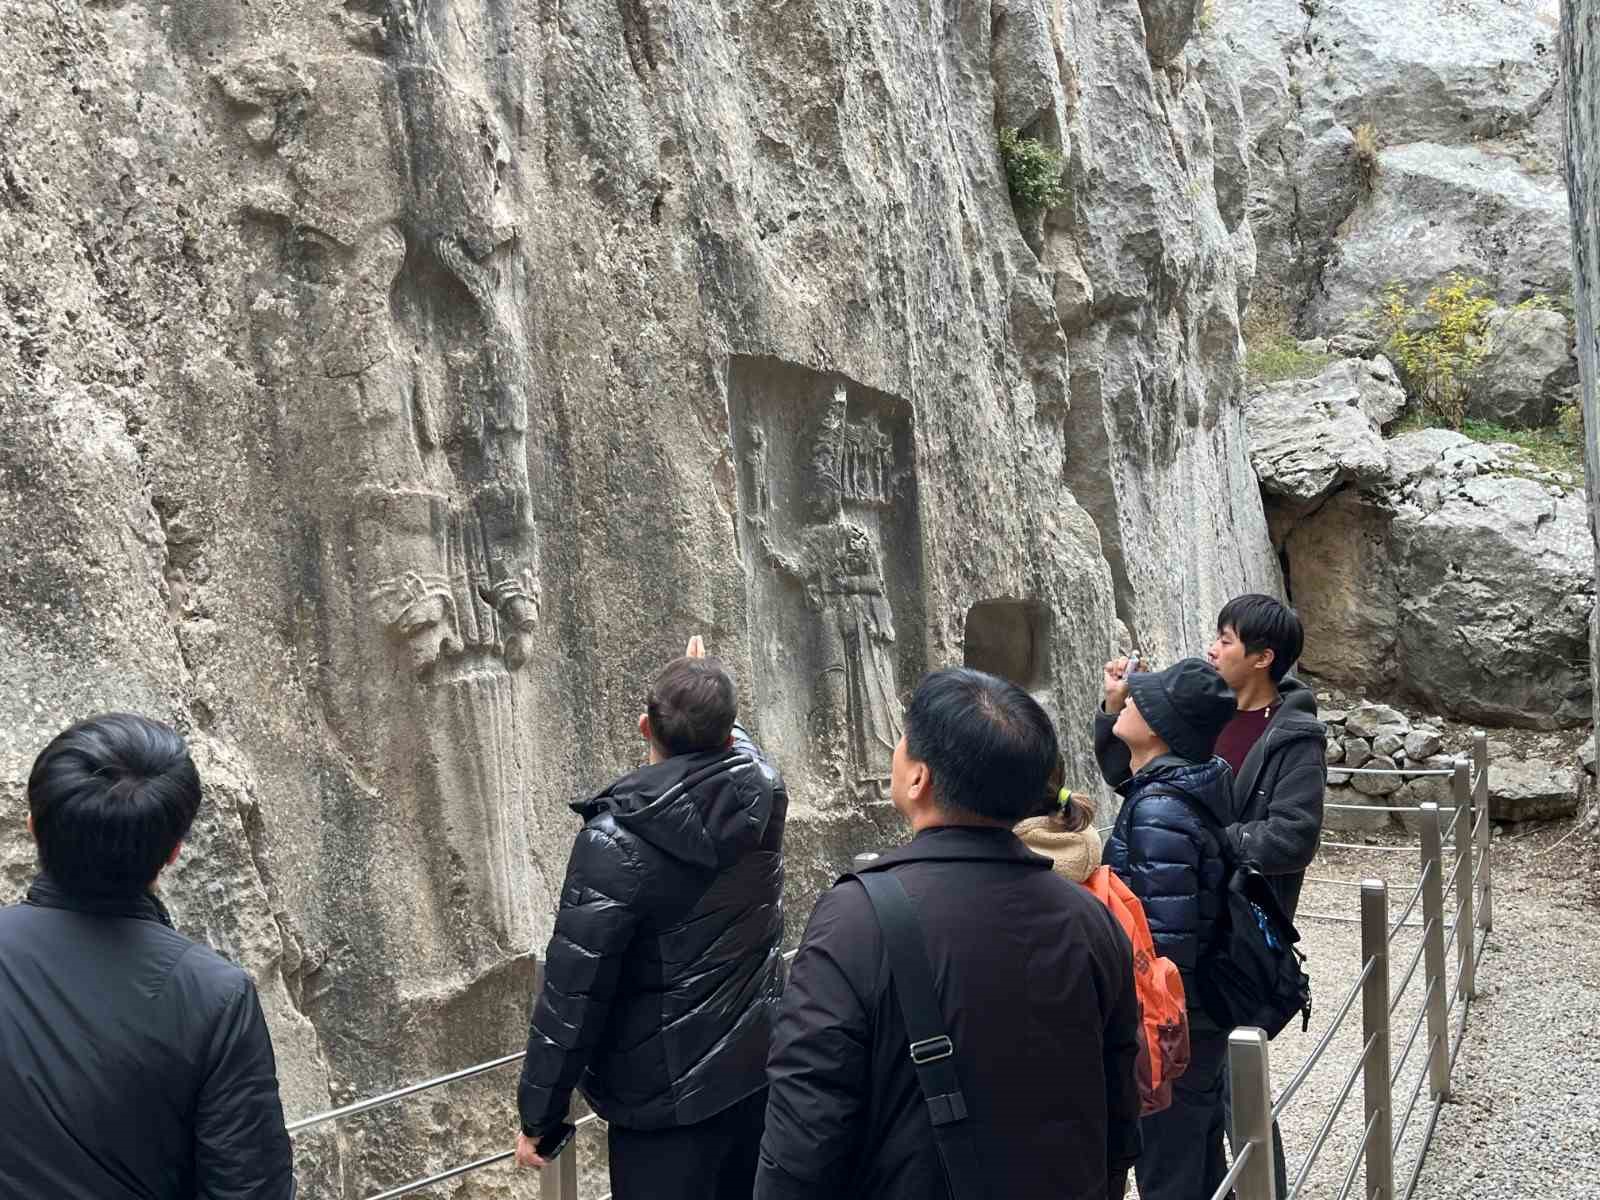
[(663, 971)]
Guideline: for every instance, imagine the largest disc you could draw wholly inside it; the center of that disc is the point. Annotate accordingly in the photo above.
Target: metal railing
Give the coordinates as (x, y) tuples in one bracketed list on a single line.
[(1250, 1176), (1384, 1126), (557, 1181)]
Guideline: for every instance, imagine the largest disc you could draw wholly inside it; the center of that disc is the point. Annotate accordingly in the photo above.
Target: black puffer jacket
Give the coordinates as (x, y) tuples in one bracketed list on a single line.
[(663, 972), (1278, 794), (134, 1063), (1169, 855)]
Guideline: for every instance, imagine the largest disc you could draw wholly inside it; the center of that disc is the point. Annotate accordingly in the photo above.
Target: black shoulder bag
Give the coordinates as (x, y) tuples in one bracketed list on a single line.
[(932, 1052)]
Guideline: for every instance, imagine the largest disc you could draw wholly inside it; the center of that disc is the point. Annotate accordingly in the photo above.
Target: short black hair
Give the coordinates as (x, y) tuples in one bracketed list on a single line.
[(1263, 623), (692, 706), (990, 746), (111, 798)]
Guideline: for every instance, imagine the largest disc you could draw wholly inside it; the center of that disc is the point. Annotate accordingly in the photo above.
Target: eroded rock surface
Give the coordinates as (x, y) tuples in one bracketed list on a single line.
[(388, 390)]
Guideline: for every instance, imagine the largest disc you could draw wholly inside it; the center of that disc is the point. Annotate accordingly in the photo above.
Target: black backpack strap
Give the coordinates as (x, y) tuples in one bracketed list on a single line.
[(932, 1052)]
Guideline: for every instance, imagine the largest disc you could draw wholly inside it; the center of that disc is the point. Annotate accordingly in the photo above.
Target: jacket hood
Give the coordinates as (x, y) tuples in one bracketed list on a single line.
[(1297, 708), (1074, 854), (1209, 784), (709, 809)]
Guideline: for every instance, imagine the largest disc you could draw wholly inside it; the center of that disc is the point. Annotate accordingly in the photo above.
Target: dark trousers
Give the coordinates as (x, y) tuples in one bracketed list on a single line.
[(1182, 1157), (712, 1160)]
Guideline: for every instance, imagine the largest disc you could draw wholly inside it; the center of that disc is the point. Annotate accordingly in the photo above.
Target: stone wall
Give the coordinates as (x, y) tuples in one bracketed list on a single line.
[(1580, 31), (387, 389)]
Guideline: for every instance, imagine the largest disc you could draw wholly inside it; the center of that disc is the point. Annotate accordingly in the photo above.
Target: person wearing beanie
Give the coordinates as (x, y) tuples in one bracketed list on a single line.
[(1177, 798), (1061, 828)]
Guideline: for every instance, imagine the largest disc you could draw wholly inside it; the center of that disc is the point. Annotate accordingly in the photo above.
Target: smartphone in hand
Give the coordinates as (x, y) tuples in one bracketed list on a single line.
[(1133, 664), (554, 1142)]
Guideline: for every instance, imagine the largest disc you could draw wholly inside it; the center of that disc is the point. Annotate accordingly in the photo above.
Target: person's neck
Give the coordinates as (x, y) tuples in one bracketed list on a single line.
[(1140, 758), (938, 818), (1258, 693)]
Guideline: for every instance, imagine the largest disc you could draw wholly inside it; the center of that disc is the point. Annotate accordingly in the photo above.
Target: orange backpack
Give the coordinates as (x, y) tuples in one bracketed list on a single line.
[(1163, 1018)]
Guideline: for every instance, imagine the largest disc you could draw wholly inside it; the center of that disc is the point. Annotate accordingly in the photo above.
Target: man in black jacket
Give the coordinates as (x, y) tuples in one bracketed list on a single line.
[(134, 1063), (663, 971), (1034, 981)]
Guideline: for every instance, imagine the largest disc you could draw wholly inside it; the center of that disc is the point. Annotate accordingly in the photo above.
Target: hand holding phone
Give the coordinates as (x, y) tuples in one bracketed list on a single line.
[(555, 1141)]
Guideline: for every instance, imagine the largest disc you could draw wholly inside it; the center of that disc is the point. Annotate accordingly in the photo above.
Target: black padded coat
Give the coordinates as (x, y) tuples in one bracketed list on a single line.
[(663, 971), (1171, 857), (134, 1063)]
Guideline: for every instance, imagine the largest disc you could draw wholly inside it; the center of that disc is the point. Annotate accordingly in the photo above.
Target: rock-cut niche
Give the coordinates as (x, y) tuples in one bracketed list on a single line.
[(832, 549), (1011, 639)]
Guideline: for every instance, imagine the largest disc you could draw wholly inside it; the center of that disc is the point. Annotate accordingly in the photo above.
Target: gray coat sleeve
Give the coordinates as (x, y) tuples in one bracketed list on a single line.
[(1284, 839)]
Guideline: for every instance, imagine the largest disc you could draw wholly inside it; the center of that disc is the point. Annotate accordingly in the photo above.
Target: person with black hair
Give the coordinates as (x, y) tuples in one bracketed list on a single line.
[(135, 1063), (1034, 987), (664, 968), (1277, 747)]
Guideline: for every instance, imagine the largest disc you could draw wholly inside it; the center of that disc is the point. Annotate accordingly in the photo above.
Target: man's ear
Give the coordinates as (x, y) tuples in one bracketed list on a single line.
[(31, 833), (173, 857), (644, 726), (1265, 659), (919, 783)]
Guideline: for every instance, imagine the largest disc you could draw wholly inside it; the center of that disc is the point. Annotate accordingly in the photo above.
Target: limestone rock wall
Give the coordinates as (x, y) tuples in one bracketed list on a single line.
[(1580, 30), (1462, 101), (387, 389)]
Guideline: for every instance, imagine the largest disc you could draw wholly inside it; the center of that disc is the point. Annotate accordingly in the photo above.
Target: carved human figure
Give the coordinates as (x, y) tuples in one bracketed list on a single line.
[(855, 717), (401, 419)]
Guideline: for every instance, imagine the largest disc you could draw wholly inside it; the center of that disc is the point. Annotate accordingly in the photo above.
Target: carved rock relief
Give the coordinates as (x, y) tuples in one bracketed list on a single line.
[(385, 315), (832, 548)]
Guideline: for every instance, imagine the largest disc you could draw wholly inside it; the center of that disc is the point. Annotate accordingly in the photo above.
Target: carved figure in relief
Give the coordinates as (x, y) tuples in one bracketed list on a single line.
[(855, 716)]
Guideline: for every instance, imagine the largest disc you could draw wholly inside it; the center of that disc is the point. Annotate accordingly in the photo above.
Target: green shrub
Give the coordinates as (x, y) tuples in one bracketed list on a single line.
[(1438, 344), (1273, 357), (1550, 449), (1033, 171)]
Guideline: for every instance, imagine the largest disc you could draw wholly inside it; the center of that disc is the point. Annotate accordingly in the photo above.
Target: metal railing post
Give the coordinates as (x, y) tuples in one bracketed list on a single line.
[(1375, 1032), (558, 1181), (1252, 1113), (1480, 763), (1466, 882), (1433, 953)]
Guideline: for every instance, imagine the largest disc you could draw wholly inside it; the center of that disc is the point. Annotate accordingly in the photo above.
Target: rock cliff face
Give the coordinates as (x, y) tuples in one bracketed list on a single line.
[(1462, 105), (387, 389), (1580, 31)]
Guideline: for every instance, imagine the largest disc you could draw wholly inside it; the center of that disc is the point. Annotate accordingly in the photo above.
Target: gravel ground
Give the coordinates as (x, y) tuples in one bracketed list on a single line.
[(1525, 1110)]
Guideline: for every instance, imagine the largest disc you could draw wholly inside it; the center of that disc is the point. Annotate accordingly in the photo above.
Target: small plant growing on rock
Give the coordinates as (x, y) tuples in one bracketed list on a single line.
[(1437, 344), (1033, 171), (1366, 156)]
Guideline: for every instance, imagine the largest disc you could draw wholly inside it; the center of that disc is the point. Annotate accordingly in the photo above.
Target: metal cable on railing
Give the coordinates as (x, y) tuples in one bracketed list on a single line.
[(1333, 1115), (1427, 869), (1322, 1045), (1360, 1155), (1240, 1162), (1422, 945), (1416, 1090)]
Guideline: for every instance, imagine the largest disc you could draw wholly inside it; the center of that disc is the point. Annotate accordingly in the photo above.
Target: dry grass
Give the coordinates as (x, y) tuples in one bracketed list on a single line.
[(1366, 156)]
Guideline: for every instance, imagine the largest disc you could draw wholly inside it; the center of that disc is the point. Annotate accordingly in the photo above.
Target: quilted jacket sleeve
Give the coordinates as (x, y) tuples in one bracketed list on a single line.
[(1285, 838), (240, 1144), (1165, 846), (594, 926)]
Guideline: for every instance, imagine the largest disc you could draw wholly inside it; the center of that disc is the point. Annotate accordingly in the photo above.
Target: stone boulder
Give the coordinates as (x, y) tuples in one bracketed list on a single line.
[(1371, 720), (1532, 789), (1527, 370), (1422, 742), (1495, 590), (1442, 209), (1309, 436), (1466, 574), (1378, 785), (1353, 814)]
